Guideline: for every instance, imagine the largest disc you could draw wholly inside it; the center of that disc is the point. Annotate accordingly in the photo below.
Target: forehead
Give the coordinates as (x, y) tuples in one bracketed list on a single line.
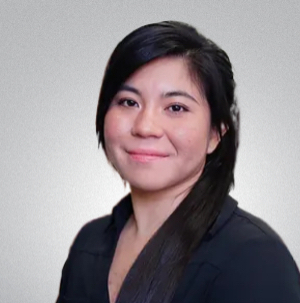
[(163, 73)]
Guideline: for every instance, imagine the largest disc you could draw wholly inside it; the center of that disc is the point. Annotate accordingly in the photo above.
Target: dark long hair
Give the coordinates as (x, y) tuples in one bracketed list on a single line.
[(162, 261)]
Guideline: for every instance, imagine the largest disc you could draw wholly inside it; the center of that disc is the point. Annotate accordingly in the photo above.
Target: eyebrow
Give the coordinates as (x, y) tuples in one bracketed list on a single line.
[(180, 93)]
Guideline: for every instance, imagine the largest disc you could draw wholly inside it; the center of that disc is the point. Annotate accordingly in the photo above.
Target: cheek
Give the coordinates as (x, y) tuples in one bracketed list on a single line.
[(191, 140), (114, 127)]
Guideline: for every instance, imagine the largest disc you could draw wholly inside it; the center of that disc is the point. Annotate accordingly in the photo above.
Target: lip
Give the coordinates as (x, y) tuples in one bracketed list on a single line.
[(142, 158), (145, 156), (147, 152)]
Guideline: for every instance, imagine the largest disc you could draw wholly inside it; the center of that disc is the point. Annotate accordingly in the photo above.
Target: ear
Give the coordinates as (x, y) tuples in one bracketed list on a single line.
[(215, 138)]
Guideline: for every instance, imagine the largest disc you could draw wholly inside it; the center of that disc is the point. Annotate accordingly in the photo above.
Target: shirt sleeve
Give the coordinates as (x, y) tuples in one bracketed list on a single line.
[(262, 271), (63, 281)]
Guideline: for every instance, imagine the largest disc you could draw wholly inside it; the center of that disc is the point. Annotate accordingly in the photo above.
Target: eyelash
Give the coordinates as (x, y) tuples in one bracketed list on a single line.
[(121, 102)]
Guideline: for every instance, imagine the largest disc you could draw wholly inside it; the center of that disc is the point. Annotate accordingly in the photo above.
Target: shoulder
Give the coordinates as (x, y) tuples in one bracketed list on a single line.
[(245, 241), (251, 239), (92, 235), (251, 226), (253, 263), (243, 230)]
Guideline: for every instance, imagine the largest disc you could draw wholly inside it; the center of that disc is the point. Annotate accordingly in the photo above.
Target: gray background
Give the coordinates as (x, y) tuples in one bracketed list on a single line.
[(53, 177)]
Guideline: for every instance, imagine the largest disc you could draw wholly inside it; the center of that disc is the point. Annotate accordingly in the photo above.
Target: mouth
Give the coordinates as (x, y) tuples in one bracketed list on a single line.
[(144, 158)]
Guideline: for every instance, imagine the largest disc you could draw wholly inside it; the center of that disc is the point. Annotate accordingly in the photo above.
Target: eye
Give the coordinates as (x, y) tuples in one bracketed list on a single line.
[(178, 108), (129, 102), (175, 108)]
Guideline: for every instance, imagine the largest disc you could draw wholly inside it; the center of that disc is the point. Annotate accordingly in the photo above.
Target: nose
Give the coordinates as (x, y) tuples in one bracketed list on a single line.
[(146, 124)]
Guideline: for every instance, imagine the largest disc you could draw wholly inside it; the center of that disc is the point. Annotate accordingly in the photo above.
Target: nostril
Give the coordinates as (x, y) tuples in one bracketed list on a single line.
[(146, 127)]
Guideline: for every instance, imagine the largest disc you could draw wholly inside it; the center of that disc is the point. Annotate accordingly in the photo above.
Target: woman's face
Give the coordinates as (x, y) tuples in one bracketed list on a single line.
[(159, 108)]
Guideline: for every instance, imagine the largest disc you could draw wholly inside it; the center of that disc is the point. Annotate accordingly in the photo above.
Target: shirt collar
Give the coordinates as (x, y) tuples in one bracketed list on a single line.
[(122, 211), (224, 215)]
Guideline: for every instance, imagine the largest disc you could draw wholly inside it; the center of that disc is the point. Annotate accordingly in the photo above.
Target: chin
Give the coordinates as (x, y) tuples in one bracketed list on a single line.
[(152, 184), (147, 185)]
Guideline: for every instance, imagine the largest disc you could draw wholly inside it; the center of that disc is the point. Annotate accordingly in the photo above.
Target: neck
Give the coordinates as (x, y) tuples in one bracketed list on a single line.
[(151, 209)]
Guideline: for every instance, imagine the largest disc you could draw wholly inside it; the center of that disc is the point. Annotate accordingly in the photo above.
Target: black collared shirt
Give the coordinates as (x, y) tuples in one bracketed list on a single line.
[(241, 260)]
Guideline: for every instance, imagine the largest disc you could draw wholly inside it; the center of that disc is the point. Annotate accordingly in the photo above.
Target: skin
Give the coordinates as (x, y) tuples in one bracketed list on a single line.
[(144, 114)]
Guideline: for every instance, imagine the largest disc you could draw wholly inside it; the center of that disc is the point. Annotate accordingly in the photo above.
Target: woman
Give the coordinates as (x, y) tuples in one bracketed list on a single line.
[(168, 123)]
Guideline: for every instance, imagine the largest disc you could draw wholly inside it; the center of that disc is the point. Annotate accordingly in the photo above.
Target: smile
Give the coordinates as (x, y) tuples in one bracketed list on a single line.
[(145, 158)]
